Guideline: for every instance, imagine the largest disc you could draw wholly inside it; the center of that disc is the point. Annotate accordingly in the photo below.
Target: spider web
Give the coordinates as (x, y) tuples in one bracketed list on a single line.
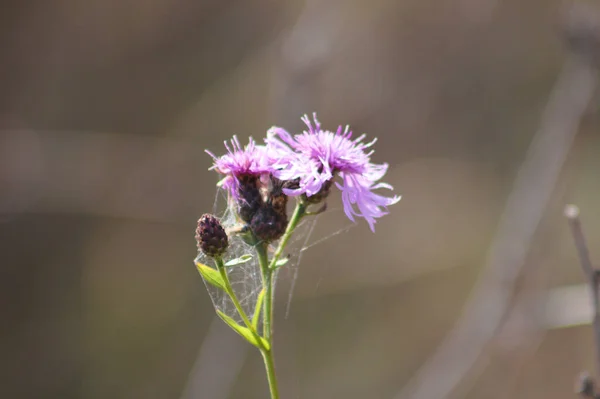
[(245, 278), (302, 240)]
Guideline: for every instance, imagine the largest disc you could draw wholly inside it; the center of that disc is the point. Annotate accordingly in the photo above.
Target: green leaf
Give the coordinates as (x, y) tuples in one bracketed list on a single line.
[(238, 261), (212, 276), (258, 308), (281, 262), (245, 332)]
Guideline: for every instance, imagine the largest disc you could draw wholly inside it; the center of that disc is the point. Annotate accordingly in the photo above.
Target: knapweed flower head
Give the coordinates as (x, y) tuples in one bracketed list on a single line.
[(314, 157), (243, 168), (251, 160), (257, 195)]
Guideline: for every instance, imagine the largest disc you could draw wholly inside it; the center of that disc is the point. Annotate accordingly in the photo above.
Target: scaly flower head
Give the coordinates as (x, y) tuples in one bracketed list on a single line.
[(211, 237), (241, 163), (315, 156)]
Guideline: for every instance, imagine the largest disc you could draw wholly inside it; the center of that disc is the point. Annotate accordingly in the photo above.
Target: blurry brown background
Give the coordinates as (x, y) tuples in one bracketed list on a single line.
[(106, 108)]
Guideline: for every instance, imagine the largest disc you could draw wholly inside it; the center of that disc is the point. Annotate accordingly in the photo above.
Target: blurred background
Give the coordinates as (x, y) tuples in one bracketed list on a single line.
[(106, 108)]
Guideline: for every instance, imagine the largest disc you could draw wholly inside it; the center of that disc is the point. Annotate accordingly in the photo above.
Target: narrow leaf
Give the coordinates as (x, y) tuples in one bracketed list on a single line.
[(238, 261), (211, 275), (221, 182), (281, 262), (258, 308), (243, 331)]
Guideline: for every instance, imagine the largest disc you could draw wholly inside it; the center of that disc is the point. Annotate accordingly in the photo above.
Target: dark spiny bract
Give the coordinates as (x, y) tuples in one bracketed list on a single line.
[(211, 237), (250, 198)]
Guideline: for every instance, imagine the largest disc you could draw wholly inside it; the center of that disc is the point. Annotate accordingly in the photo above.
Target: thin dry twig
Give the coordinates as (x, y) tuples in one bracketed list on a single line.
[(586, 386)]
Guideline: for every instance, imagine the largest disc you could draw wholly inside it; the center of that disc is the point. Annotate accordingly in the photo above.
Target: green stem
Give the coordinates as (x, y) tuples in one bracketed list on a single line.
[(267, 270), (266, 273), (267, 279), (298, 214), (268, 315), (270, 368), (236, 302)]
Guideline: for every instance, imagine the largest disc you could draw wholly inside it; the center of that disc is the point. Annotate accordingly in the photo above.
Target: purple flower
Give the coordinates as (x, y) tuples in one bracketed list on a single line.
[(315, 156), (249, 161)]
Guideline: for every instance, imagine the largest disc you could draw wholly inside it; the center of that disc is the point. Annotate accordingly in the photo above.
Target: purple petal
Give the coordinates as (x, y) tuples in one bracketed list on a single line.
[(357, 191)]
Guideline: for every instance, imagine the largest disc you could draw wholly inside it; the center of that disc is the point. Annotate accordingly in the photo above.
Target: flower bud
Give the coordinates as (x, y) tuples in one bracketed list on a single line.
[(211, 238), (268, 224)]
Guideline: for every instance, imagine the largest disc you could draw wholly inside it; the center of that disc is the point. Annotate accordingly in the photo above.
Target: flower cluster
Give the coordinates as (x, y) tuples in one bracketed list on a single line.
[(260, 177)]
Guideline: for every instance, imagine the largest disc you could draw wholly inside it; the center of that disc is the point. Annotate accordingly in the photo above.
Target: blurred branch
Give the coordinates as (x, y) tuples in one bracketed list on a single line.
[(586, 386), (568, 306), (220, 359), (302, 55), (534, 184)]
